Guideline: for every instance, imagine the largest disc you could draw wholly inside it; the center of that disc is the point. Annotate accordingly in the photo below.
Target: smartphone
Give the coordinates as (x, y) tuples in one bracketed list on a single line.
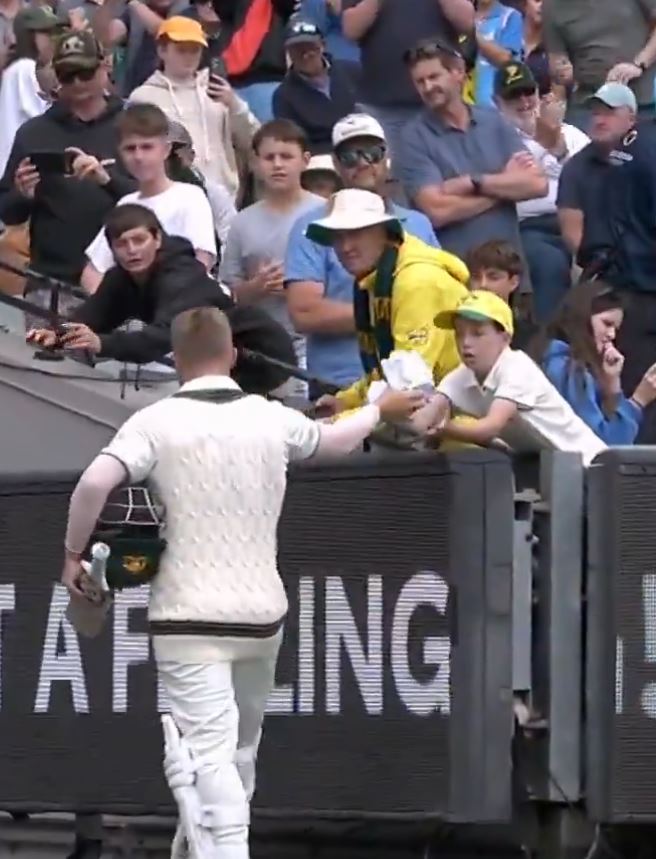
[(52, 162), (218, 68)]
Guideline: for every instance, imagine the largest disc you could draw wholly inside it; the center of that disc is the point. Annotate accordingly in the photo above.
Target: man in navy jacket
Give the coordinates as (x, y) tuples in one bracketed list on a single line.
[(315, 93)]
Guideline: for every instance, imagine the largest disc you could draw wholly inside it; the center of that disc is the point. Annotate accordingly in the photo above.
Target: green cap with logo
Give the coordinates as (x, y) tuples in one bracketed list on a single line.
[(77, 50)]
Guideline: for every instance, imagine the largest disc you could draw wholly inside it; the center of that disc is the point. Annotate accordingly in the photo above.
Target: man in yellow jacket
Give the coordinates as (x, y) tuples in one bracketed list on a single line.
[(401, 284)]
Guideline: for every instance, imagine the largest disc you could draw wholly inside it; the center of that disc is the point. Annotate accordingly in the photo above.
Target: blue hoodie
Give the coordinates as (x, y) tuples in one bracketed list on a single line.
[(582, 392)]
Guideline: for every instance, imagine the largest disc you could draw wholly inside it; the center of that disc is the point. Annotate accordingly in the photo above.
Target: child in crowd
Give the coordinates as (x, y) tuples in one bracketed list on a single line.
[(252, 263), (219, 121), (578, 354), (320, 177), (181, 167), (497, 267), (504, 390), (182, 208)]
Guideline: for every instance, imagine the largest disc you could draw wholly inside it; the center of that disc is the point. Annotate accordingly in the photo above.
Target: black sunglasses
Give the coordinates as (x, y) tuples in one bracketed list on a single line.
[(67, 76), (519, 93), (351, 156)]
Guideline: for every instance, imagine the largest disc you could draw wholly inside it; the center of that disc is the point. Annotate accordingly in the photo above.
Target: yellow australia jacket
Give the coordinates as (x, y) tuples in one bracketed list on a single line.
[(427, 281)]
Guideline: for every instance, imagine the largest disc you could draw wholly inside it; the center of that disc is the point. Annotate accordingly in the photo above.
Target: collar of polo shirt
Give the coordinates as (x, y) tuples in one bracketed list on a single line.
[(202, 383)]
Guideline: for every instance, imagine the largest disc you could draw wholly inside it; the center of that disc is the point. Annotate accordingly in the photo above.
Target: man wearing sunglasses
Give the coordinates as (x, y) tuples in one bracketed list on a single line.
[(316, 92), (551, 142), (319, 289), (68, 196)]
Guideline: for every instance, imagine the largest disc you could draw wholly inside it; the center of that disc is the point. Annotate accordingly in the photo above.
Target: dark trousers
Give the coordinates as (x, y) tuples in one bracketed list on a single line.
[(637, 342), (549, 263)]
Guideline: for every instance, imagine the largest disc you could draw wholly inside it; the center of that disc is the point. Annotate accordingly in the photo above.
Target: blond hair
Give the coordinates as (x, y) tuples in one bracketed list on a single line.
[(201, 335)]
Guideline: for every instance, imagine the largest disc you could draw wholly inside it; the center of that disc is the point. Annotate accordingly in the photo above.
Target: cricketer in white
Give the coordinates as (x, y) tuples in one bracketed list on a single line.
[(217, 604)]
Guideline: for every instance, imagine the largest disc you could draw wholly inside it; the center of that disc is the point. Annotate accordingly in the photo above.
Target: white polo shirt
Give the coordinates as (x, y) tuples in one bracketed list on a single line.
[(183, 210), (220, 470), (544, 419)]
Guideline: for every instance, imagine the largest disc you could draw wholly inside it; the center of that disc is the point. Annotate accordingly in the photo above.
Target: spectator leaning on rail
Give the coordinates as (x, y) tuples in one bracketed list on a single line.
[(606, 202), (65, 212), (464, 166), (155, 277), (319, 288), (400, 285), (551, 143), (504, 390), (217, 605), (578, 354), (315, 93)]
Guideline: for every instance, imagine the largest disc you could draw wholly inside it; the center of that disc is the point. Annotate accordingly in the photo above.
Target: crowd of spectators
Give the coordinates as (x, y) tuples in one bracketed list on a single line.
[(358, 170)]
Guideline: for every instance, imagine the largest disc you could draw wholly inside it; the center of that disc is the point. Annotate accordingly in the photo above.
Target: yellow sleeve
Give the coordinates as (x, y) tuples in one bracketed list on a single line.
[(356, 395), (420, 293)]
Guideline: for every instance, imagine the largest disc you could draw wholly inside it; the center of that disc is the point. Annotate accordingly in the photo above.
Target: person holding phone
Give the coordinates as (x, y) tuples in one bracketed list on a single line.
[(219, 122), (66, 211)]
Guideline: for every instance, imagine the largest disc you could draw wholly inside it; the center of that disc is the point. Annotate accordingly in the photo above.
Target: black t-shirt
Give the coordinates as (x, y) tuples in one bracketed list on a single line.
[(617, 195), (400, 25), (585, 185)]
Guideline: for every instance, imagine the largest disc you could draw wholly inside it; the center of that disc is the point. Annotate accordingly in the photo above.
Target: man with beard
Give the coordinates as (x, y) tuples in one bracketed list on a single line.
[(319, 288), (551, 143)]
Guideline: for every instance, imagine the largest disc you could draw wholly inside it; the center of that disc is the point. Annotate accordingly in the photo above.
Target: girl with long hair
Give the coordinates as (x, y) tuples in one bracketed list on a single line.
[(577, 352), (21, 96)]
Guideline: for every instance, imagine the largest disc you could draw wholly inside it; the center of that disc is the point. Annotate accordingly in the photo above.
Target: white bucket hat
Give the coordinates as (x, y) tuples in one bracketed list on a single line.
[(352, 209), (321, 162)]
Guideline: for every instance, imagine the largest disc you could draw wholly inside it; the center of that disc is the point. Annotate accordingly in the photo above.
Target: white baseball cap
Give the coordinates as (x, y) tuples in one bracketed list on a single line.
[(357, 125), (616, 95), (352, 209)]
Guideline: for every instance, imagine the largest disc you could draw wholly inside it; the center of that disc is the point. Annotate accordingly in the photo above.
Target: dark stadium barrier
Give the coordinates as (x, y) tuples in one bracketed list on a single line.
[(394, 692), (621, 637)]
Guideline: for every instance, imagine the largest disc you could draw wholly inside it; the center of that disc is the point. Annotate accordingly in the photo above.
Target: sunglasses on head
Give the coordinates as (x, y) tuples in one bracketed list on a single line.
[(429, 49), (350, 157), (67, 76)]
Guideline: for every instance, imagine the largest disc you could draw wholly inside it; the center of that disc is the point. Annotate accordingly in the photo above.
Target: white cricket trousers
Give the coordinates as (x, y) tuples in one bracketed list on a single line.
[(218, 705)]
